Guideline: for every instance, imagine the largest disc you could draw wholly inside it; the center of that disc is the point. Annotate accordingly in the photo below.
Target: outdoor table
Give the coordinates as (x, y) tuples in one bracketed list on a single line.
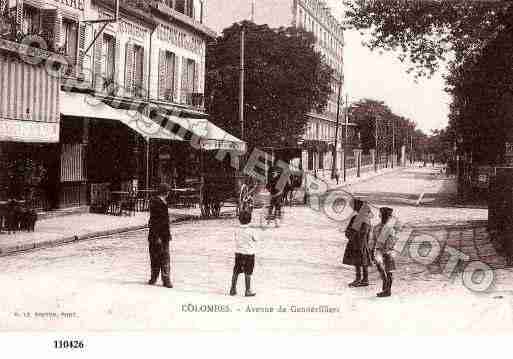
[(120, 200), (182, 195)]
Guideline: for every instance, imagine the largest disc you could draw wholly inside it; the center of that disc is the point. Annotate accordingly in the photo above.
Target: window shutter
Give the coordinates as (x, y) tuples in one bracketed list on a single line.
[(97, 63), (19, 12), (117, 60), (81, 48), (171, 65), (176, 79), (129, 68), (162, 75), (184, 83), (195, 85), (145, 91), (201, 76)]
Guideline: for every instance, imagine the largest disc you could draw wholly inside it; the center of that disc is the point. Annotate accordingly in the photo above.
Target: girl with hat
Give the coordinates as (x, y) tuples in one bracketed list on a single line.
[(384, 237), (357, 251)]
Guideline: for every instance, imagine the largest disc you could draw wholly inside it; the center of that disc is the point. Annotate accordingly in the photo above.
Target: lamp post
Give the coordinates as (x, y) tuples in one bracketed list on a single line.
[(334, 166), (345, 136), (241, 86)]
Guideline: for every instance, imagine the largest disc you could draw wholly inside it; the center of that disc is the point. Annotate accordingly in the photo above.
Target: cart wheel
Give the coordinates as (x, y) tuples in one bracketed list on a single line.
[(216, 209), (205, 210)]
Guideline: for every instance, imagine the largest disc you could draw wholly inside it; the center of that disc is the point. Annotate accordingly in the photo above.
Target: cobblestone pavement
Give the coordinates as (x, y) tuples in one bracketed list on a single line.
[(298, 266)]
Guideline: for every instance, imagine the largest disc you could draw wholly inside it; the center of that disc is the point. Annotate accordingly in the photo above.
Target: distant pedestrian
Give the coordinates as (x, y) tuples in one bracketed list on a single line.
[(245, 247), (383, 240), (357, 252), (159, 237), (277, 190)]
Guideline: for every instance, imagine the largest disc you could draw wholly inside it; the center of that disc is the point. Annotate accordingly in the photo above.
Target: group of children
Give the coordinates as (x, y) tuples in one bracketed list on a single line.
[(366, 246)]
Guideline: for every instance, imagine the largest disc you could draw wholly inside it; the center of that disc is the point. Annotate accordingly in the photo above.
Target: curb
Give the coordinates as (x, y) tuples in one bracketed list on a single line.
[(73, 239), (370, 178)]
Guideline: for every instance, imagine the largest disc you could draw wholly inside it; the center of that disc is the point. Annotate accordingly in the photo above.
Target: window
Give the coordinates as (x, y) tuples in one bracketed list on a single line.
[(180, 6), (31, 20), (138, 70), (70, 33), (109, 45), (191, 72), (167, 80)]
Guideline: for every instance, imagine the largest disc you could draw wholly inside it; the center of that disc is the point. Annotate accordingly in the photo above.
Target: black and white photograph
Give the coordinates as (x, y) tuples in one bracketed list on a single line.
[(296, 166)]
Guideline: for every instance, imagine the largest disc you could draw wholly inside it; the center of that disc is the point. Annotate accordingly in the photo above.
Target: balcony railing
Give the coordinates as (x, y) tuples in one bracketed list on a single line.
[(194, 99)]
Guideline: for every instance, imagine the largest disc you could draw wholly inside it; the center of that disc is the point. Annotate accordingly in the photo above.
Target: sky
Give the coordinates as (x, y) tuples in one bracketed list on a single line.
[(383, 77)]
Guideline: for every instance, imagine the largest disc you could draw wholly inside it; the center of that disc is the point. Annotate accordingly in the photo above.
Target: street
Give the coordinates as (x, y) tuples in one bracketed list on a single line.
[(101, 284)]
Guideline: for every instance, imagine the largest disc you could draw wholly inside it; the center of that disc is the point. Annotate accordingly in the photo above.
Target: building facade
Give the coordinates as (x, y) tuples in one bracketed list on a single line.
[(316, 17), (93, 109)]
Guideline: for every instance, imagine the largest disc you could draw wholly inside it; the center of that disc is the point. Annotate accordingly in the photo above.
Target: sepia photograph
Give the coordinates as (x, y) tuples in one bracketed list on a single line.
[(338, 167)]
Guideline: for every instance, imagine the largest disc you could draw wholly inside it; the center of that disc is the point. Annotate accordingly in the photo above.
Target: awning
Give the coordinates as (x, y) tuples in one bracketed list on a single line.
[(211, 137), (83, 105), (166, 127)]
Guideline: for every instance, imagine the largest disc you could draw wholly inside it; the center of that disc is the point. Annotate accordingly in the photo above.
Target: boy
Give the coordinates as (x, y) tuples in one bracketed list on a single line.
[(384, 236), (245, 246)]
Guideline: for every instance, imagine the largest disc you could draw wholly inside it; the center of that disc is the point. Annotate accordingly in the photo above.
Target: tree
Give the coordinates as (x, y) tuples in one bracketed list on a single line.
[(285, 79), (475, 38), (430, 32)]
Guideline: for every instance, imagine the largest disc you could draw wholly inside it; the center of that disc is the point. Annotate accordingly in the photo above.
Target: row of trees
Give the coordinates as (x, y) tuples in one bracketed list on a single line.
[(380, 128), (474, 38)]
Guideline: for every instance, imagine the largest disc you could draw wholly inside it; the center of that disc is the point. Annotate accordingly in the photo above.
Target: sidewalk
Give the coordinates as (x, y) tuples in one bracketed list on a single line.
[(76, 227)]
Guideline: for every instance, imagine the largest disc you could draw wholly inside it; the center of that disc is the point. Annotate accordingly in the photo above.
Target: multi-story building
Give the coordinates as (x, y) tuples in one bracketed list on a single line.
[(315, 17), (116, 74)]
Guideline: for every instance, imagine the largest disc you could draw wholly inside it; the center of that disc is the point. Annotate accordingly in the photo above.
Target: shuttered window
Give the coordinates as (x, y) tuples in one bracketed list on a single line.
[(166, 75), (109, 49), (70, 37), (139, 70), (134, 70), (31, 20), (72, 163)]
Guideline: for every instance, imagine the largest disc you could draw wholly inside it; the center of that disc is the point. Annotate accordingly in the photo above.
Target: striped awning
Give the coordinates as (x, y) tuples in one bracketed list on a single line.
[(84, 105)]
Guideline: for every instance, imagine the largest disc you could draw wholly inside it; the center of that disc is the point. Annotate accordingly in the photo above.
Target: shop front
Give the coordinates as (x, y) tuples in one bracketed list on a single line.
[(29, 128), (125, 151)]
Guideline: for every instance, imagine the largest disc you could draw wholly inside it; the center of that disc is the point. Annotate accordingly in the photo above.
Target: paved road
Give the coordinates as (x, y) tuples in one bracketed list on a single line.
[(100, 284)]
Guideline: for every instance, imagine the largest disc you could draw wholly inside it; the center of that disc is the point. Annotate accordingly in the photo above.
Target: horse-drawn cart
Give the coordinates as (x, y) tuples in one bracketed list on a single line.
[(221, 181)]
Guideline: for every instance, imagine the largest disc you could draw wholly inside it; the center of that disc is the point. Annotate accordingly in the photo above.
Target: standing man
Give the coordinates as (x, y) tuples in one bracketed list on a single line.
[(159, 237), (276, 191)]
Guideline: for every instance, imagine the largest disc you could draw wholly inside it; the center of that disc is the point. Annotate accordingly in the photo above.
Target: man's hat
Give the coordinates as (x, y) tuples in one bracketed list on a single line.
[(163, 189), (386, 211)]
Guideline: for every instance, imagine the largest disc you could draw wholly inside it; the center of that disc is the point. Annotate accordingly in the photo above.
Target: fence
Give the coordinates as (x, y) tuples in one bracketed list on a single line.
[(500, 210)]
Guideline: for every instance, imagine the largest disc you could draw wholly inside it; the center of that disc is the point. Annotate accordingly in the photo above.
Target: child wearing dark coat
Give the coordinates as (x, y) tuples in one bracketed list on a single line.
[(357, 252)]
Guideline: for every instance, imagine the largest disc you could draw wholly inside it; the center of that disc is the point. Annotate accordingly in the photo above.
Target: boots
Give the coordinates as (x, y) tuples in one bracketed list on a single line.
[(358, 271), (249, 293), (387, 286), (365, 280), (384, 278), (154, 277), (233, 289), (166, 282)]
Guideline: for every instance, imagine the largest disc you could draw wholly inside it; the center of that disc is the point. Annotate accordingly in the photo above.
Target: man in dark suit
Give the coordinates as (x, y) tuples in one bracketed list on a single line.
[(159, 237)]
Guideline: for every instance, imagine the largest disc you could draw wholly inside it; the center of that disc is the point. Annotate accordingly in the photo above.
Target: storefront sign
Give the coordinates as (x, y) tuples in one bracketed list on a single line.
[(210, 145), (29, 131)]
